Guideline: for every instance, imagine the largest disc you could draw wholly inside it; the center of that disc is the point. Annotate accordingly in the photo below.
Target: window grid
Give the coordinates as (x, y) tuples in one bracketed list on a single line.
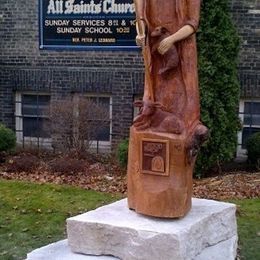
[(20, 118), (97, 143), (38, 140), (249, 114)]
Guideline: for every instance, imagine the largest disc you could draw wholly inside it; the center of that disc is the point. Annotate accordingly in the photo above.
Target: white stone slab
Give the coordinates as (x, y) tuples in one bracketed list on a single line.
[(115, 230), (223, 250), (61, 251)]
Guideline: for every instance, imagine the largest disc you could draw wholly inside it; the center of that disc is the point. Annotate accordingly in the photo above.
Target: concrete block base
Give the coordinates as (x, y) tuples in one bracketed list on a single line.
[(209, 231), (61, 251)]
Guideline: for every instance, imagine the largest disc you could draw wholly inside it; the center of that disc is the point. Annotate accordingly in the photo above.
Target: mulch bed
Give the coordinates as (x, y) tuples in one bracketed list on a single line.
[(231, 185), (107, 176)]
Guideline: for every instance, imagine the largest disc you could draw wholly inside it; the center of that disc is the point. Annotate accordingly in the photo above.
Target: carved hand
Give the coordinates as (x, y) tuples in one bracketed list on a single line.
[(166, 44), (140, 40), (140, 28)]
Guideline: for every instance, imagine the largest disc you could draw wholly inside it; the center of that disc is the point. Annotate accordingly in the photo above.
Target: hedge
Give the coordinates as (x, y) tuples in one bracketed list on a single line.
[(218, 47)]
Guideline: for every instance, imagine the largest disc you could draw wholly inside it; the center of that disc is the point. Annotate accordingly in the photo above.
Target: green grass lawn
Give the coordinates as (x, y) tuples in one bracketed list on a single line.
[(249, 228), (33, 215)]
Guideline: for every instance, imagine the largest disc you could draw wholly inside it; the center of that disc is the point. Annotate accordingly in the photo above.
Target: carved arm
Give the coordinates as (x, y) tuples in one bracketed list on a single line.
[(182, 34), (190, 27)]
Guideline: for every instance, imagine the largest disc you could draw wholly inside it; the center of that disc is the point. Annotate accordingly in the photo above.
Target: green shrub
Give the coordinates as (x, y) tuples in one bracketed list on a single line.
[(7, 139), (253, 150), (218, 46), (122, 153)]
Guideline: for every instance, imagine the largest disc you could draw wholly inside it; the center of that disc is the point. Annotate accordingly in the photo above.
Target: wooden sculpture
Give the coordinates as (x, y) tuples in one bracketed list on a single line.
[(167, 133)]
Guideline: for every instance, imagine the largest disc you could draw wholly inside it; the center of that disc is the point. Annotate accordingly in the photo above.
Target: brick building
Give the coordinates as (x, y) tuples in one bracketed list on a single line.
[(30, 76), (246, 15)]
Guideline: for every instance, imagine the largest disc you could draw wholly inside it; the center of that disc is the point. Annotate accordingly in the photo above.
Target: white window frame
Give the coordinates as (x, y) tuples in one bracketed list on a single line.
[(242, 153), (102, 146), (20, 138)]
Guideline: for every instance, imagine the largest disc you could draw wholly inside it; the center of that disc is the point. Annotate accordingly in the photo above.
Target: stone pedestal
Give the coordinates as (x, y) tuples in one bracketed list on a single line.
[(61, 251), (208, 231), (159, 176)]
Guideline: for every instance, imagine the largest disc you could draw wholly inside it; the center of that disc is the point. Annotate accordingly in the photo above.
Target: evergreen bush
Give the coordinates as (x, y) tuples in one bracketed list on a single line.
[(218, 47), (253, 150), (122, 153), (7, 139)]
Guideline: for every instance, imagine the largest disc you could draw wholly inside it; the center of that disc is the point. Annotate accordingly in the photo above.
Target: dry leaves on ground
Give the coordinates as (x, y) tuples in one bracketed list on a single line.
[(109, 177), (230, 186)]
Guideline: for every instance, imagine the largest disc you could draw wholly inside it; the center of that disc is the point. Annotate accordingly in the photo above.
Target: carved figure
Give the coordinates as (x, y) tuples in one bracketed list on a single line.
[(160, 184), (166, 33)]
